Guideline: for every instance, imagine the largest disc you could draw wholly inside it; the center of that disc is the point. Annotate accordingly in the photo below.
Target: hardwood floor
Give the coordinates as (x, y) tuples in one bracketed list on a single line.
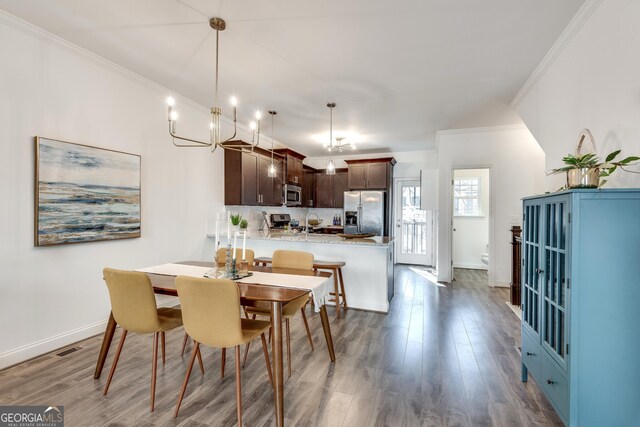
[(443, 356)]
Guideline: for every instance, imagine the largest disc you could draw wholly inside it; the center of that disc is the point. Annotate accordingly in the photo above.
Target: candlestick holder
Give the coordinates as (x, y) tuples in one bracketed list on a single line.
[(234, 270), (229, 263)]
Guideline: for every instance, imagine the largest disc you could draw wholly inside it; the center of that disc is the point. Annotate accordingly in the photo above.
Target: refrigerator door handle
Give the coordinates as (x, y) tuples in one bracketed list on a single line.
[(359, 219)]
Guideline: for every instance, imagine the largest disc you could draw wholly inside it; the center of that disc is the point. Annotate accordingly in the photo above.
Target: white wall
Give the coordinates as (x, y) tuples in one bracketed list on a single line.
[(517, 170), (471, 235), (52, 296), (589, 79)]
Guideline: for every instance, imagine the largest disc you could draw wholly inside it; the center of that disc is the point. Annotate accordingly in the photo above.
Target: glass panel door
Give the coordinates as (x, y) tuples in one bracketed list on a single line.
[(530, 267), (414, 226)]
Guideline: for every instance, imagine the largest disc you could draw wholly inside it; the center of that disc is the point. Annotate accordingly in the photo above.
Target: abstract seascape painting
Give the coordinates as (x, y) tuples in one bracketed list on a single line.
[(85, 194)]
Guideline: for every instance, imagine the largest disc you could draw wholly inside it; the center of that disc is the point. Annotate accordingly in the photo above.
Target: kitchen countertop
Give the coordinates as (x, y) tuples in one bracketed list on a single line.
[(315, 238)]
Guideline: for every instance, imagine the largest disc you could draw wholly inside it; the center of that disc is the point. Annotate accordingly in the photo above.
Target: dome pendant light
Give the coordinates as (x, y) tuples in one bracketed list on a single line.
[(271, 172), (331, 168)]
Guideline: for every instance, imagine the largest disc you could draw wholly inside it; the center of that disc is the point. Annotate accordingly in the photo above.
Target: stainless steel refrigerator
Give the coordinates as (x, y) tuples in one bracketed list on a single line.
[(364, 212)]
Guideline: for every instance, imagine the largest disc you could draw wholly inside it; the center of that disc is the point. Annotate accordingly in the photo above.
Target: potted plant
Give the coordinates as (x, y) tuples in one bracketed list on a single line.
[(244, 224), (235, 221), (585, 170)]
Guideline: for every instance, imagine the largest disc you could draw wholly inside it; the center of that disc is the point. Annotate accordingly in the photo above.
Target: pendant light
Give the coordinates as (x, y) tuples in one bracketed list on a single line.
[(331, 168), (215, 139), (271, 172)]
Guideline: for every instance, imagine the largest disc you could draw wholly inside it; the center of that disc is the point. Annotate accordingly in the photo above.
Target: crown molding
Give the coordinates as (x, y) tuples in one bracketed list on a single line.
[(82, 53), (575, 25), (498, 128)]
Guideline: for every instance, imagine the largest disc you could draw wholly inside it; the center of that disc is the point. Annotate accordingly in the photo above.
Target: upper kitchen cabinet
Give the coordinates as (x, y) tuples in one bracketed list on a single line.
[(292, 165), (370, 174), (330, 189), (308, 187), (246, 179)]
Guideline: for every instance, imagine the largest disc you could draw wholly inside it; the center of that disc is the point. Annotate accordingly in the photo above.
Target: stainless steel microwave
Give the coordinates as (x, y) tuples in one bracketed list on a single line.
[(292, 195)]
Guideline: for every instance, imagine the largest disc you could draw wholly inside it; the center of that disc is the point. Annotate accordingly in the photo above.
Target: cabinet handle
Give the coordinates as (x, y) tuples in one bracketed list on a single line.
[(550, 382), (530, 354), (538, 271)]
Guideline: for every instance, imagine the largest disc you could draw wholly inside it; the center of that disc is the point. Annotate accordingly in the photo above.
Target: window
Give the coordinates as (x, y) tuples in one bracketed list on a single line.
[(466, 197)]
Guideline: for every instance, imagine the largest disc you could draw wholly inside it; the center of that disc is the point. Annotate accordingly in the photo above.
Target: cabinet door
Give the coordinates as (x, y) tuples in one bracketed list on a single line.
[(357, 176), (308, 189), (265, 182), (531, 267), (554, 278), (323, 190), (278, 197), (249, 179), (298, 170), (339, 186), (377, 178)]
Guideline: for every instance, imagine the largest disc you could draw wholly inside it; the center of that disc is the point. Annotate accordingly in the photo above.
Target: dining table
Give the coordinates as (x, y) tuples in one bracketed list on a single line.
[(250, 293)]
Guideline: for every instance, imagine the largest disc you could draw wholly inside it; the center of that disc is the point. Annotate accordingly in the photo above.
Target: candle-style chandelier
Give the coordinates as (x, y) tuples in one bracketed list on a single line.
[(215, 139)]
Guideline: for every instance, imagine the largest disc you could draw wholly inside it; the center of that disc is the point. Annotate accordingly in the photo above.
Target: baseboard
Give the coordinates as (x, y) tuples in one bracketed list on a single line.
[(366, 305), (471, 266), (47, 345), (500, 284)]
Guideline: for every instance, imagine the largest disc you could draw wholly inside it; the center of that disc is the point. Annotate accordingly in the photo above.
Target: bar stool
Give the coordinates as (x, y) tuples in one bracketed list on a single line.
[(335, 267)]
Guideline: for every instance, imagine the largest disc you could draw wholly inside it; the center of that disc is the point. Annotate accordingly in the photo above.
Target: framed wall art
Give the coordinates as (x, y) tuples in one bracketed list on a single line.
[(84, 193)]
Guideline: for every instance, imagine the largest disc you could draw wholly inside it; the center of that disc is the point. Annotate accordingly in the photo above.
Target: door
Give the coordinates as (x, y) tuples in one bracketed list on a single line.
[(357, 176), (278, 196), (323, 190), (377, 175), (265, 187), (372, 212), (338, 187), (414, 227)]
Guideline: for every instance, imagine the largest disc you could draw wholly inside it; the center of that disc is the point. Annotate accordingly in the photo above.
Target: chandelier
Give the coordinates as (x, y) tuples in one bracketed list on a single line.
[(215, 139), (339, 145), (331, 167)]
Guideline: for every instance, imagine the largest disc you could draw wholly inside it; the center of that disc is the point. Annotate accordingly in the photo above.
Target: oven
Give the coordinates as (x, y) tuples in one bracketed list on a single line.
[(292, 195)]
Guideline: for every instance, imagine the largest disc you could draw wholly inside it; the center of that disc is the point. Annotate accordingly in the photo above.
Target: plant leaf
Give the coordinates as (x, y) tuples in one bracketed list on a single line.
[(612, 155)]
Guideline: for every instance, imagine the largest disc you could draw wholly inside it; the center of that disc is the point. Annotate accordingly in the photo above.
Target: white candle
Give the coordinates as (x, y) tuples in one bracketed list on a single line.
[(235, 244), (228, 227), (244, 246)]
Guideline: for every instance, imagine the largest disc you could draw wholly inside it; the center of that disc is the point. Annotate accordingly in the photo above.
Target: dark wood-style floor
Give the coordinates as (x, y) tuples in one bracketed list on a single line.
[(443, 356)]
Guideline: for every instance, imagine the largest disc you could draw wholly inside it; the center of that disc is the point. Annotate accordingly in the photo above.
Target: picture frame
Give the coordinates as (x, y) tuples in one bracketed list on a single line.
[(85, 194)]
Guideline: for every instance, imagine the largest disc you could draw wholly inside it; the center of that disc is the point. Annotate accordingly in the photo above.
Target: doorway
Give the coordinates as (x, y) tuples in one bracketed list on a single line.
[(414, 227), (471, 219)]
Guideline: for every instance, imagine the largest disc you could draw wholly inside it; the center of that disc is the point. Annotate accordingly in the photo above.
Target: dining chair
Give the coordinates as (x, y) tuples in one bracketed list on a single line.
[(133, 306), (293, 260), (211, 315), (221, 258)]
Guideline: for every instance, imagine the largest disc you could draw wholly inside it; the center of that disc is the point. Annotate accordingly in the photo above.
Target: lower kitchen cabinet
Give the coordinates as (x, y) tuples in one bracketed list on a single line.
[(580, 293)]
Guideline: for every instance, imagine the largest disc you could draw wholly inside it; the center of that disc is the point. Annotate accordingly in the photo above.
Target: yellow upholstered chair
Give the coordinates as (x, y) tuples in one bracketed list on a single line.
[(221, 256), (211, 314), (294, 260), (134, 308)]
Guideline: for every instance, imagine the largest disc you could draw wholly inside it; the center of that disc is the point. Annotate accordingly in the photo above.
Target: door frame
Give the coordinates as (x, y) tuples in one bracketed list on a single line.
[(397, 183), (490, 269)]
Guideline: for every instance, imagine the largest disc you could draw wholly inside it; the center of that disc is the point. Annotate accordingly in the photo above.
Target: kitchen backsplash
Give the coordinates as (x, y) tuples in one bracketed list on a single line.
[(254, 215)]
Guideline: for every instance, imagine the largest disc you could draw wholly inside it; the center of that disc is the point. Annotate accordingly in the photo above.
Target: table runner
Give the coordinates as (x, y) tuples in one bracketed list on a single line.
[(319, 286)]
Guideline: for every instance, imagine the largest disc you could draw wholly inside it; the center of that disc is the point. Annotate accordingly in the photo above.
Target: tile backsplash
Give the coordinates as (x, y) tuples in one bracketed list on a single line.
[(254, 215)]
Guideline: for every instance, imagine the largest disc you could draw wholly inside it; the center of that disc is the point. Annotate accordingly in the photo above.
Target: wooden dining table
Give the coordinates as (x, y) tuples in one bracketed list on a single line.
[(250, 293)]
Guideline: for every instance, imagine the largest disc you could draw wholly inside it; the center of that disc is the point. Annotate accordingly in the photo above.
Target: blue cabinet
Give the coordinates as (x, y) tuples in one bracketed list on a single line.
[(580, 297)]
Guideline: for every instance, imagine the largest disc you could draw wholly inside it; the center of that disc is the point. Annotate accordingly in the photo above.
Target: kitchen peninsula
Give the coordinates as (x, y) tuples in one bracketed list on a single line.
[(368, 274)]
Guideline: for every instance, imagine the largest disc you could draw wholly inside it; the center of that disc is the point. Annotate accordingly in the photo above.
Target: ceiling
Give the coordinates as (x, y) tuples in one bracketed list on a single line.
[(398, 70)]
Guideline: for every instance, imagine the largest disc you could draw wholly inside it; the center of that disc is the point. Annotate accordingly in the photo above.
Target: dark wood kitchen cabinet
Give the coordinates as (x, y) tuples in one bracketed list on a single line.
[(330, 189), (308, 187), (292, 165), (370, 174), (246, 179)]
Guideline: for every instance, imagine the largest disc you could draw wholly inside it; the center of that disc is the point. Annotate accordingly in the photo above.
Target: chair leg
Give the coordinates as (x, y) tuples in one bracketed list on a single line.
[(223, 362), (196, 350), (115, 362), (246, 353), (337, 292), (306, 326), (344, 294), (154, 368), (184, 343), (286, 323), (200, 360), (265, 350), (238, 387), (162, 339)]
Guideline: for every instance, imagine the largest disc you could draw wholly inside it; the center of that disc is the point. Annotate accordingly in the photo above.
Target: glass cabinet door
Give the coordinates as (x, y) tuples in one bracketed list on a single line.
[(554, 278), (530, 266)]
